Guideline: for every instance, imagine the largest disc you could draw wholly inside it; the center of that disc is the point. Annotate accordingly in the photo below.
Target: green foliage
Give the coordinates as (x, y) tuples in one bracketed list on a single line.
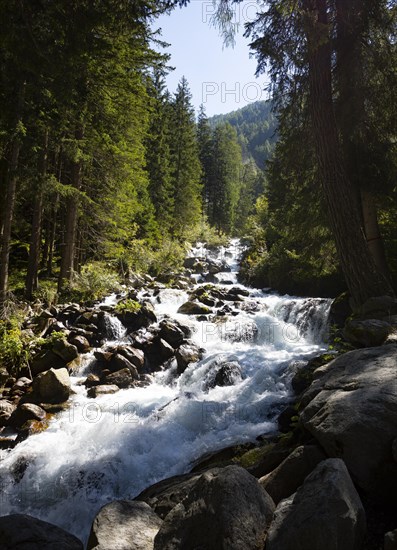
[(14, 352), (95, 281), (128, 306), (166, 256)]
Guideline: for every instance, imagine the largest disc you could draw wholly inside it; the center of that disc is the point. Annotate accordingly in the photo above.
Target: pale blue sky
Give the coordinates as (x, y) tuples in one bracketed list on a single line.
[(223, 79)]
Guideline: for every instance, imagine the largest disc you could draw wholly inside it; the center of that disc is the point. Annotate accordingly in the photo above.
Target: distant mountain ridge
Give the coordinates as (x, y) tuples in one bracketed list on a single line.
[(256, 127)]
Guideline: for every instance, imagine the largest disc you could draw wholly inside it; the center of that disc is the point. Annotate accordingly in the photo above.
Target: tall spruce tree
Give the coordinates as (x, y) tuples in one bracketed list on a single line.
[(186, 168)]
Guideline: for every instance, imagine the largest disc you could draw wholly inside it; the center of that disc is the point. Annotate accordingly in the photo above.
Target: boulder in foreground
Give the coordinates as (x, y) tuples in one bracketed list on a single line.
[(324, 514), (29, 533), (124, 525), (225, 509)]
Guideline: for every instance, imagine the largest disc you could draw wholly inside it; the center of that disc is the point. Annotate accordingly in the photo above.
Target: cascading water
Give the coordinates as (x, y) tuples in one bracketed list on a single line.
[(116, 445)]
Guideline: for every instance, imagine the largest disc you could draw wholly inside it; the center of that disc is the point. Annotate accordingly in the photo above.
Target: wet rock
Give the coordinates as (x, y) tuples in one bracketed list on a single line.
[(163, 496), (171, 333), (46, 360), (92, 380), (6, 410), (53, 386), (158, 351), (67, 352), (351, 410), (186, 354), (20, 531), (227, 373), (143, 317), (194, 308), (226, 508), (95, 391), (119, 362), (25, 412), (102, 356), (368, 333), (81, 343), (324, 514), (135, 356), (291, 473), (124, 525), (122, 378)]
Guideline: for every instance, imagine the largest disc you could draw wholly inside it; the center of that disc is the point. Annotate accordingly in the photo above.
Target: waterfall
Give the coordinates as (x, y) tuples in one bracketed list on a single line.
[(114, 446)]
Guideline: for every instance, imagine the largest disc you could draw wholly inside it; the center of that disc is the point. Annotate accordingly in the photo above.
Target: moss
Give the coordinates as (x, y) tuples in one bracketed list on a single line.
[(128, 305)]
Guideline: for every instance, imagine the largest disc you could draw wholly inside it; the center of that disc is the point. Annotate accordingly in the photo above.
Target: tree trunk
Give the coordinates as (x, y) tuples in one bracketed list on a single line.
[(352, 119), (72, 208), (9, 203), (372, 232), (35, 241), (361, 275)]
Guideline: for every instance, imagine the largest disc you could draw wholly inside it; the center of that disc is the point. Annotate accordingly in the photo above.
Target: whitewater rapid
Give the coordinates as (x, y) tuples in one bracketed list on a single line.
[(116, 445)]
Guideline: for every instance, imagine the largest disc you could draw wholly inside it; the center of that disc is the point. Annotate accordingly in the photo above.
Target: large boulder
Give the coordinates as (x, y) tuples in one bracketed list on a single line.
[(228, 373), (122, 378), (24, 413), (46, 360), (20, 531), (291, 473), (53, 386), (379, 307), (352, 412), (186, 354), (324, 514), (171, 333), (66, 351), (225, 509), (194, 308), (367, 333), (124, 525), (164, 495)]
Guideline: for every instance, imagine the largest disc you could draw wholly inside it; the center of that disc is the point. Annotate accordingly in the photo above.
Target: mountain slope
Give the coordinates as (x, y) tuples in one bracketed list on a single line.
[(256, 130)]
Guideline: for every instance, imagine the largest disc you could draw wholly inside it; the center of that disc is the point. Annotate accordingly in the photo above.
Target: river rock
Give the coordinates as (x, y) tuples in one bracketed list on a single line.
[(122, 378), (163, 496), (171, 333), (25, 412), (53, 386), (227, 373), (6, 410), (92, 380), (391, 540), (46, 360), (124, 525), (102, 389), (20, 531), (291, 473), (194, 308), (378, 307), (81, 343), (226, 508), (119, 362), (67, 352), (186, 354), (135, 356), (367, 333), (352, 413), (158, 351), (324, 514)]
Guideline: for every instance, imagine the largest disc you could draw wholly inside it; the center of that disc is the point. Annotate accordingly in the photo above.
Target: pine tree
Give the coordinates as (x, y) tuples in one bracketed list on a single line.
[(186, 168)]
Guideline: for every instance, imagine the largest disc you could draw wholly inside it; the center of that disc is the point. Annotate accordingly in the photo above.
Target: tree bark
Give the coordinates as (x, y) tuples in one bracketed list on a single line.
[(362, 277), (352, 121), (72, 208), (9, 203), (35, 241)]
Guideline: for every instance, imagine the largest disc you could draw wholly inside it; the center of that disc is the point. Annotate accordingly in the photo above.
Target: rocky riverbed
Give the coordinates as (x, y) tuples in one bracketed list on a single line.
[(286, 446)]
